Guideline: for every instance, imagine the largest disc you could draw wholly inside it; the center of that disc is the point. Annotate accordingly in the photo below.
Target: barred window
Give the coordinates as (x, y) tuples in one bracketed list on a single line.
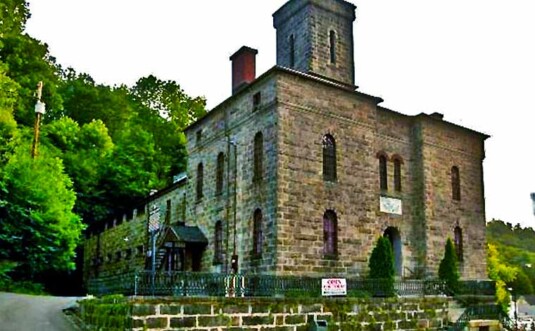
[(332, 43), (218, 243), (330, 235), (329, 158), (455, 183), (220, 170), (258, 157), (458, 235), (383, 172), (257, 232), (397, 174), (200, 179)]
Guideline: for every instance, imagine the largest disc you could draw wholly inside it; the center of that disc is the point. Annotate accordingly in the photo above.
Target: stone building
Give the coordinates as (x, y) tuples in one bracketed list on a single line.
[(299, 173)]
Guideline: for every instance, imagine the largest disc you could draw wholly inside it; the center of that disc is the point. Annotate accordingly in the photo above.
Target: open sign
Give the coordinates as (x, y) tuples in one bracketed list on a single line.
[(333, 287)]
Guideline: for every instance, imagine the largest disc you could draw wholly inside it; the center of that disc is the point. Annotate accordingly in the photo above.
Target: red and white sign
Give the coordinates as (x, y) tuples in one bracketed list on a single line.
[(333, 287)]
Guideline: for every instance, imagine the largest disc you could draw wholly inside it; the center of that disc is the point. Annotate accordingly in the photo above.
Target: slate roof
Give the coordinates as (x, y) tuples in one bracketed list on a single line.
[(189, 234)]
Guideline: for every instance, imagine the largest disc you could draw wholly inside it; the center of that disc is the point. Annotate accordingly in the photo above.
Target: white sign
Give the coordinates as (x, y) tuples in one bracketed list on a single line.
[(333, 287), (390, 205), (154, 218)]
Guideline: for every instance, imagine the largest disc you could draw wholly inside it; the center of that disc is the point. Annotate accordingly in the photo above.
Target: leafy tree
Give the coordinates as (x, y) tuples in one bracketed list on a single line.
[(13, 17), (381, 265), (502, 274), (448, 269), (85, 152), (39, 230), (522, 284), (8, 99)]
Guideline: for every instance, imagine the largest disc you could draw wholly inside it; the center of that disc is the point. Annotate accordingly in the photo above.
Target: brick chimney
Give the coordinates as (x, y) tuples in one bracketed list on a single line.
[(243, 68)]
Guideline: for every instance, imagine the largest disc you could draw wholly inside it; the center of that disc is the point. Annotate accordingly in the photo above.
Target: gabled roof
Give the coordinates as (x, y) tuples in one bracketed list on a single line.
[(186, 234)]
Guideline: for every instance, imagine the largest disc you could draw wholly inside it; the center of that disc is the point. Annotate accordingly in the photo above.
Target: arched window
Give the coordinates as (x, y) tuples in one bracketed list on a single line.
[(220, 170), (383, 172), (257, 232), (458, 239), (329, 158), (397, 174), (332, 44), (330, 235), (455, 184), (200, 179), (218, 243), (258, 157), (292, 51)]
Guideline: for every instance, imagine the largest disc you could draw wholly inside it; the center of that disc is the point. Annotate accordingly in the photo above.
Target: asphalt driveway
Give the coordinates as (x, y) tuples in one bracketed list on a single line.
[(20, 312)]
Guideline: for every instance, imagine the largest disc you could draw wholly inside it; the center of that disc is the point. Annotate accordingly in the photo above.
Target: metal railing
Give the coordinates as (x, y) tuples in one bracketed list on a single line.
[(218, 285)]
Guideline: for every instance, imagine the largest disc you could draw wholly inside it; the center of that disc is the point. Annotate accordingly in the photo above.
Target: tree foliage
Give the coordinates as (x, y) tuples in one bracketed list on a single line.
[(102, 148), (39, 230), (502, 274), (448, 269)]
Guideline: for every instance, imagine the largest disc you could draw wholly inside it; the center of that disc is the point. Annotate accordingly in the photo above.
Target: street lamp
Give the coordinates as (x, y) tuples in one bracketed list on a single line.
[(39, 112)]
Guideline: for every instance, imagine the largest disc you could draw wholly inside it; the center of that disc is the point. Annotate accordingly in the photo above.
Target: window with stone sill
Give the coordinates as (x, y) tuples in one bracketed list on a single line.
[(332, 46), (258, 238), (455, 184), (458, 241), (200, 179), (398, 161), (292, 51), (258, 157), (218, 243), (329, 158), (383, 171), (330, 234), (257, 99), (220, 171)]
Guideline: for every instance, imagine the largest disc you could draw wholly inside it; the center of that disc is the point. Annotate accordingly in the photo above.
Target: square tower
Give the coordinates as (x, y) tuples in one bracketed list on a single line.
[(316, 37)]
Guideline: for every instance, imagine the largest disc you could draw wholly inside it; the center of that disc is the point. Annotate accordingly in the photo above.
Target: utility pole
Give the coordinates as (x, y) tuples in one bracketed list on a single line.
[(39, 111)]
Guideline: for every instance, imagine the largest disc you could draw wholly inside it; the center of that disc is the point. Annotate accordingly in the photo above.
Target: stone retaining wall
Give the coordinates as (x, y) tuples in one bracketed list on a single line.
[(264, 314)]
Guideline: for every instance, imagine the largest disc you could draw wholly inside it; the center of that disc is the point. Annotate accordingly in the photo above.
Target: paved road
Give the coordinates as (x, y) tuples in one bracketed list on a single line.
[(34, 313)]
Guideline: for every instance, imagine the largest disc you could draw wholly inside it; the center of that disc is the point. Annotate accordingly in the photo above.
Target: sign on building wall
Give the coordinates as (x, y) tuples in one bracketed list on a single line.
[(333, 287), (154, 218), (390, 205)]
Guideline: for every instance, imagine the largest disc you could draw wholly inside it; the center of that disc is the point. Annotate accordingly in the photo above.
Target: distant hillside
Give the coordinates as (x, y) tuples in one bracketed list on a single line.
[(516, 247)]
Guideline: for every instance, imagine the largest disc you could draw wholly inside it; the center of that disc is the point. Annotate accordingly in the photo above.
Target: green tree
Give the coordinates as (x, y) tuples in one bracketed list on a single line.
[(448, 269), (39, 230), (502, 274), (85, 150), (8, 99), (381, 265), (522, 283)]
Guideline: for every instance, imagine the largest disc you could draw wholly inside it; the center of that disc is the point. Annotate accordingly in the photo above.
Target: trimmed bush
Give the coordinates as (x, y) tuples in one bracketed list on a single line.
[(382, 266)]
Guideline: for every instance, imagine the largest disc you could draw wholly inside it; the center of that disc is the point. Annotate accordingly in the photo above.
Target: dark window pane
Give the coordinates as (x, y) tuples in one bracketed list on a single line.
[(329, 158), (257, 232), (200, 179), (330, 237), (332, 42), (397, 175), (383, 173), (220, 171), (459, 243), (455, 184), (258, 157)]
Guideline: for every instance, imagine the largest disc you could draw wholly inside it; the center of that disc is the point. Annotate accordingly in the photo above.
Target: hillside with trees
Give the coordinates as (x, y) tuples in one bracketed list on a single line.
[(102, 149), (514, 247)]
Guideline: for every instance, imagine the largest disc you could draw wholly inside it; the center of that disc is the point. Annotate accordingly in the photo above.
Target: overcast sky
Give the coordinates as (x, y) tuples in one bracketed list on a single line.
[(472, 60)]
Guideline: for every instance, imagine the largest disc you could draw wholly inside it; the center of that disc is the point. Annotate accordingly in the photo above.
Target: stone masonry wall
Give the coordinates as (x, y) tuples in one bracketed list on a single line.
[(122, 246), (269, 314), (445, 146), (237, 120)]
